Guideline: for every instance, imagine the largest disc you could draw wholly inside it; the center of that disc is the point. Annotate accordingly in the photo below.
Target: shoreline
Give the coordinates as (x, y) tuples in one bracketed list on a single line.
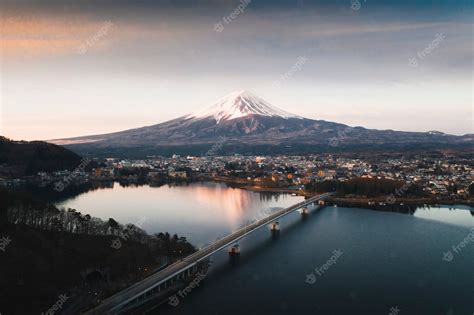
[(244, 184), (349, 201), (382, 201), (354, 201)]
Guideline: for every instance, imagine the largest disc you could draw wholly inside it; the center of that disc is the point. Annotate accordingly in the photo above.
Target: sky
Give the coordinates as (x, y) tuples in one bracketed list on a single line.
[(74, 68)]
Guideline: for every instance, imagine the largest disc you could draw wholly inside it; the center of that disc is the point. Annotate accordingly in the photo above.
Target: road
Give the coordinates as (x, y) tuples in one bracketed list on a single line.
[(123, 297)]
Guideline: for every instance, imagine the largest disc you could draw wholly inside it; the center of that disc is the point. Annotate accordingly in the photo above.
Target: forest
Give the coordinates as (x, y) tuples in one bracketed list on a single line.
[(63, 251), (369, 187)]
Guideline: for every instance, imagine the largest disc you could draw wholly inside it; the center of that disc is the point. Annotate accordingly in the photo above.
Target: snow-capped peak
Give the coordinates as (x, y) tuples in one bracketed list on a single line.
[(240, 104), (436, 133)]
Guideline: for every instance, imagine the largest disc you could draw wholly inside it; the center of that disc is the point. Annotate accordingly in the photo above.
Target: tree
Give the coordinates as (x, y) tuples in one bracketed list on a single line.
[(114, 226)]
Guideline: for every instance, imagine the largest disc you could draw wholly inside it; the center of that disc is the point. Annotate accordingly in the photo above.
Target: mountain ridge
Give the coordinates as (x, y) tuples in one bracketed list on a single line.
[(246, 121)]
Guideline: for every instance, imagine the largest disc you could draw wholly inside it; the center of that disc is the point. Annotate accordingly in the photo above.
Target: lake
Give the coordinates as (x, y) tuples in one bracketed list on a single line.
[(202, 212), (361, 261)]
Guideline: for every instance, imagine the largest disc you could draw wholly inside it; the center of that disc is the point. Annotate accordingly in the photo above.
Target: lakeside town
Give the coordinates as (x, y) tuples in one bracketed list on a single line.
[(123, 254), (448, 177)]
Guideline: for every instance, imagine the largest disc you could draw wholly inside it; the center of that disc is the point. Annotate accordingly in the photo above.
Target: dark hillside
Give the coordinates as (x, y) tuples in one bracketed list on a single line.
[(20, 158)]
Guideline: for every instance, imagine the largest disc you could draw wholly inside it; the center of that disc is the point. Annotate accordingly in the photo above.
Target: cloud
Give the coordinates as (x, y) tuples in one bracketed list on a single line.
[(353, 57), (33, 36)]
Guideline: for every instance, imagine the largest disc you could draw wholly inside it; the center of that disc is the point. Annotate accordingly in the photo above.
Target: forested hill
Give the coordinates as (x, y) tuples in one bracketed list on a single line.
[(19, 158)]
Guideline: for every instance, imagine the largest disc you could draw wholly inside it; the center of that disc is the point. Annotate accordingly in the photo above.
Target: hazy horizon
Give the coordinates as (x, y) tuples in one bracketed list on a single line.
[(100, 66)]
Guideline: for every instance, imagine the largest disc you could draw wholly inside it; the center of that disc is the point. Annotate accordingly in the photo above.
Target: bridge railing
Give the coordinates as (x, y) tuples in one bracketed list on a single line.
[(188, 262), (249, 228)]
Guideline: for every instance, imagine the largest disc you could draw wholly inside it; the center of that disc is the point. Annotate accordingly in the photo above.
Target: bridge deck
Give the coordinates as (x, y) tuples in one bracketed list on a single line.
[(136, 290)]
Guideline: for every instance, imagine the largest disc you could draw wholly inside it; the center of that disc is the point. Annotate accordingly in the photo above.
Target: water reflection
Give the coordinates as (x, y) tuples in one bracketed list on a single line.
[(203, 212), (234, 201), (457, 214), (393, 257), (200, 211)]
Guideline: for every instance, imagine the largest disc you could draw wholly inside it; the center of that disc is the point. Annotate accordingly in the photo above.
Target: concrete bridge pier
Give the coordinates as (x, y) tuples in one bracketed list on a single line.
[(234, 251), (173, 276), (275, 229)]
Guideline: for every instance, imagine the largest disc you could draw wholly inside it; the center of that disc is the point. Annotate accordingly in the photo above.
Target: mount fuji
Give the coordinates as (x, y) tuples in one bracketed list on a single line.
[(249, 124), (240, 104)]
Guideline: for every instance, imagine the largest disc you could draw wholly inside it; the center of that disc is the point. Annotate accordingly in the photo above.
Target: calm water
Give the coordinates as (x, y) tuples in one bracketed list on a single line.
[(389, 260), (458, 215), (201, 212)]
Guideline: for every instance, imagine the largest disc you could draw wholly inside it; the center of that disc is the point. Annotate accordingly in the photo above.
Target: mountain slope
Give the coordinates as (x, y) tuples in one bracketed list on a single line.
[(248, 121)]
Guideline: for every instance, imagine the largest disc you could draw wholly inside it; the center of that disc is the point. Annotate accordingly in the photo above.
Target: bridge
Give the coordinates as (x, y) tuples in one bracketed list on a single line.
[(144, 290)]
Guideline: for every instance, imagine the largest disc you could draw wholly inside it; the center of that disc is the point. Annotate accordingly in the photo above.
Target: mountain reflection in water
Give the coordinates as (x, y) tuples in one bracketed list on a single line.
[(201, 212)]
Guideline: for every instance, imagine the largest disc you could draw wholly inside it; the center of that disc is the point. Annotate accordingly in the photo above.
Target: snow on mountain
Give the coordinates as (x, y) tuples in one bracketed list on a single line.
[(436, 133), (250, 125), (240, 104)]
